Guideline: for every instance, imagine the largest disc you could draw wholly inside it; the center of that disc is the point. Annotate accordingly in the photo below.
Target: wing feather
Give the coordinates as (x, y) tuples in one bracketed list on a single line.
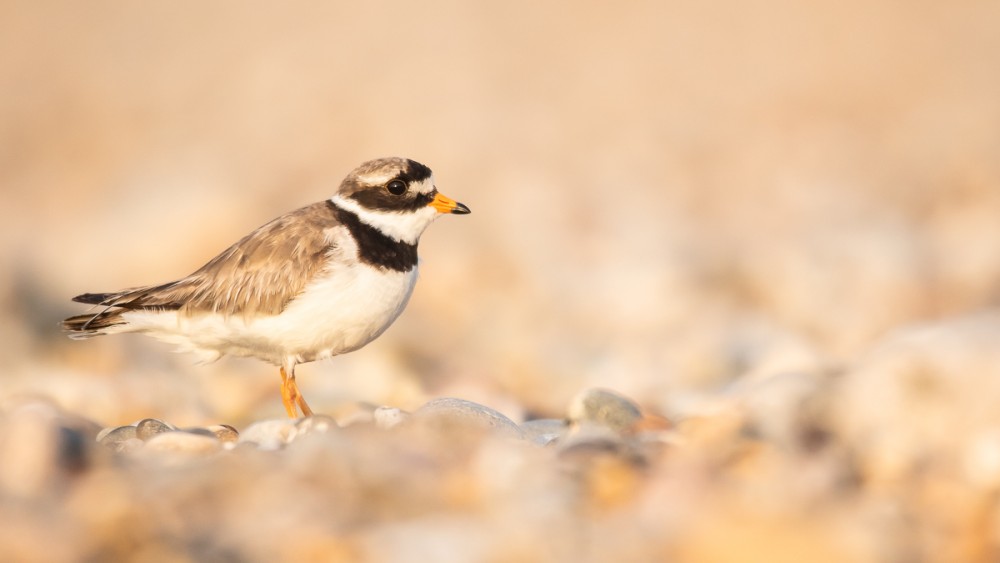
[(259, 275)]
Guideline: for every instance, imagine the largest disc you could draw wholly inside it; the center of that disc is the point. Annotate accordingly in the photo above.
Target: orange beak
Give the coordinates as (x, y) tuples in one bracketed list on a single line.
[(445, 204)]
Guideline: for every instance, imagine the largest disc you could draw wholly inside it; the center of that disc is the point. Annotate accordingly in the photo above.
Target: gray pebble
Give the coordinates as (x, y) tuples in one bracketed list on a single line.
[(606, 408), (544, 431), (149, 427), (460, 413), (199, 431), (114, 437)]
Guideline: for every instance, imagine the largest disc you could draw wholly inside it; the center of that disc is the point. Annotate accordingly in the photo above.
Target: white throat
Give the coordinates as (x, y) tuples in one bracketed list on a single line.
[(404, 226)]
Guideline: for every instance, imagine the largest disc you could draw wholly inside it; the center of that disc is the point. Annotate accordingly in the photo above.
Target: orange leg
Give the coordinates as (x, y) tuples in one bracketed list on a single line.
[(291, 397)]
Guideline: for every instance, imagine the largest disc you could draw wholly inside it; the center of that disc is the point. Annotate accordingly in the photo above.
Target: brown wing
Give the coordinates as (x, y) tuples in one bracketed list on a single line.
[(259, 275)]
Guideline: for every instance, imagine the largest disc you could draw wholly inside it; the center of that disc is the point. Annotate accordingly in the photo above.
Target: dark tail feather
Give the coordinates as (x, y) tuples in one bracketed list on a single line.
[(95, 298), (114, 304), (94, 324)]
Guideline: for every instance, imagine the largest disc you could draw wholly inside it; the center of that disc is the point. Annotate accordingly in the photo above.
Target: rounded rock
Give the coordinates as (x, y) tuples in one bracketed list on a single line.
[(224, 432), (149, 427), (183, 442), (590, 441), (387, 417), (606, 408), (544, 431), (114, 437), (448, 412), (269, 434), (316, 424)]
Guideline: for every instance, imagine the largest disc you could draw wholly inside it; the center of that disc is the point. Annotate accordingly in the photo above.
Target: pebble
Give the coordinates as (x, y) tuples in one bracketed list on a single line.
[(180, 441), (606, 408), (387, 417), (451, 412), (149, 427), (544, 431), (316, 424), (129, 445), (271, 434), (590, 441), (115, 438), (224, 432)]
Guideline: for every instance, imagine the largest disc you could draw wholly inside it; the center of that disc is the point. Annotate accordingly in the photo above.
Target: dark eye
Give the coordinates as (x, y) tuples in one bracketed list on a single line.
[(396, 187)]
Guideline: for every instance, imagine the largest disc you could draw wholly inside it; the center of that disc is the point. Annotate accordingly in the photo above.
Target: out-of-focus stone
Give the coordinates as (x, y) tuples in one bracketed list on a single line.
[(605, 407), (347, 414), (451, 413), (149, 427), (604, 462), (783, 407), (590, 433), (224, 432), (129, 445), (387, 417), (928, 392), (588, 438), (316, 424), (653, 423), (115, 435), (269, 434), (40, 445), (199, 430), (544, 431), (182, 442)]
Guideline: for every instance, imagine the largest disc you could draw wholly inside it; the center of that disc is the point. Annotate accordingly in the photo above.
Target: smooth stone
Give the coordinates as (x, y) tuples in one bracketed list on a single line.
[(316, 424), (269, 434), (387, 417), (149, 427), (224, 432), (111, 437), (605, 407), (182, 442), (449, 411), (544, 431), (590, 440), (130, 445)]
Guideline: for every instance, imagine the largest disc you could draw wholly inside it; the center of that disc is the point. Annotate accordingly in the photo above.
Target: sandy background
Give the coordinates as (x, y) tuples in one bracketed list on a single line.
[(679, 201)]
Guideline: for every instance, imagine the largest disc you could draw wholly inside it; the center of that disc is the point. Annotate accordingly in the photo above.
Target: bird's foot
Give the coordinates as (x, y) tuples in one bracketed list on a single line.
[(291, 397)]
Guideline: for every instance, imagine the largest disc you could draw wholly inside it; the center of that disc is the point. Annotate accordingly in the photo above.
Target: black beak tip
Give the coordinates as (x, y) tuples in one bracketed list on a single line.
[(461, 209)]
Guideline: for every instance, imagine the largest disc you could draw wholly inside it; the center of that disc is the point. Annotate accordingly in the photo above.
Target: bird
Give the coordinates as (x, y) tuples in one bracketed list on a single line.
[(323, 280)]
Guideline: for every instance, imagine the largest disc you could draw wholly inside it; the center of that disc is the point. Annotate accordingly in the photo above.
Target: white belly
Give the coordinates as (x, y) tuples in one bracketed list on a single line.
[(337, 313)]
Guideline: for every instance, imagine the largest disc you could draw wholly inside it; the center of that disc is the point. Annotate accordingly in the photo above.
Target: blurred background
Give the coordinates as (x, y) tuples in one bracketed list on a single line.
[(773, 224), (667, 196)]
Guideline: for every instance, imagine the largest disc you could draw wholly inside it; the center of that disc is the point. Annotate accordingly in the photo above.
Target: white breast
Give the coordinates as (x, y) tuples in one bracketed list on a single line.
[(340, 312)]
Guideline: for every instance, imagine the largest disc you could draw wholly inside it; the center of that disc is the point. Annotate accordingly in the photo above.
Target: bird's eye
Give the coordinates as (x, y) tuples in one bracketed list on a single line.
[(396, 187)]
